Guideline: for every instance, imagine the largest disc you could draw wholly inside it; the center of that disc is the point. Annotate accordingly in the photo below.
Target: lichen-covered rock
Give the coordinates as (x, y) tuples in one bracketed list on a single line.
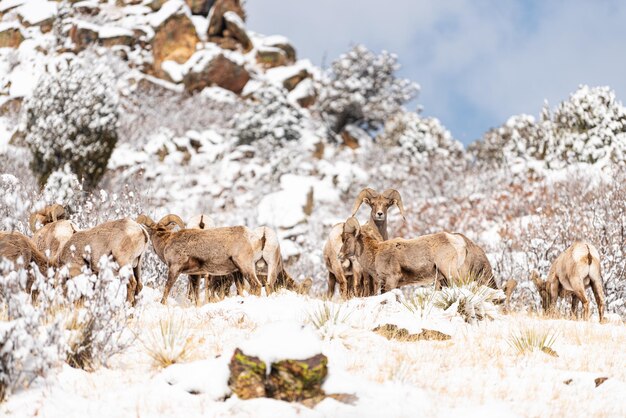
[(215, 70), (247, 376), (175, 39), (10, 36), (297, 380), (270, 57), (393, 332)]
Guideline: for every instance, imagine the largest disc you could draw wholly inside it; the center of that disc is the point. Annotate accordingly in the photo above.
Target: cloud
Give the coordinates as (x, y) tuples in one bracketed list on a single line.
[(478, 62)]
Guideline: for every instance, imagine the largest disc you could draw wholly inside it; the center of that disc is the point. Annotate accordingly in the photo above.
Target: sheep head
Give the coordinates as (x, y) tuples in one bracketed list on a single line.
[(49, 214), (379, 203), (351, 246)]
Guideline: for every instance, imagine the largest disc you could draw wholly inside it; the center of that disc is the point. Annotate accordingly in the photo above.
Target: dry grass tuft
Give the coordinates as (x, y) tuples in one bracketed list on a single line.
[(170, 343), (528, 340)]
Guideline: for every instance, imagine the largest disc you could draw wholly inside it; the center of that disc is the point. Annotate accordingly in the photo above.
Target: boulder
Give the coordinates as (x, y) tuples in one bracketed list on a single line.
[(83, 35), (110, 36), (200, 7), (217, 24), (237, 29), (175, 39), (10, 36), (156, 5), (209, 69), (297, 380), (288, 380), (282, 43), (247, 376), (270, 57), (291, 82)]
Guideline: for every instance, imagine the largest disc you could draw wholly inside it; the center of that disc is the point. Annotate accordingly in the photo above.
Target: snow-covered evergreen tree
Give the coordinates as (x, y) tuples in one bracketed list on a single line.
[(421, 139), (362, 88), (272, 118), (72, 118)]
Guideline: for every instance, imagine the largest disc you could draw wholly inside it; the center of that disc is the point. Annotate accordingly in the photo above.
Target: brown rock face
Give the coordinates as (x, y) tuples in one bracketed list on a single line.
[(235, 27), (200, 7), (175, 39), (11, 38), (82, 37), (217, 23), (117, 40), (294, 80), (270, 57), (219, 71), (287, 48), (247, 376)]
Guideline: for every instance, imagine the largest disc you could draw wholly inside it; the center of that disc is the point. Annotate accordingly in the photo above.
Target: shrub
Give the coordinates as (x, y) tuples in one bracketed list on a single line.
[(72, 118), (170, 343), (528, 340), (361, 88)]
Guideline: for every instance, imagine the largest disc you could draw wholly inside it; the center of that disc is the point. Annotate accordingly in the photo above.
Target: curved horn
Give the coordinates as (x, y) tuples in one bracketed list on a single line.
[(168, 219), (352, 226), (393, 194), (365, 193), (145, 220), (32, 220), (55, 212)]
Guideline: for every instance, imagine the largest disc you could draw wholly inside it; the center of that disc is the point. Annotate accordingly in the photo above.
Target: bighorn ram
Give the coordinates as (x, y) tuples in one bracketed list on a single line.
[(439, 258), (216, 252), (377, 227), (15, 246), (55, 232), (124, 239), (576, 269)]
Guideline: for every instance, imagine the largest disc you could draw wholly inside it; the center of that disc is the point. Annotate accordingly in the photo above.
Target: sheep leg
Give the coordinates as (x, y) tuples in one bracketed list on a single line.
[(249, 273), (137, 274), (598, 293), (172, 275), (194, 288), (207, 293), (553, 294), (332, 280), (574, 306), (358, 286), (580, 294)]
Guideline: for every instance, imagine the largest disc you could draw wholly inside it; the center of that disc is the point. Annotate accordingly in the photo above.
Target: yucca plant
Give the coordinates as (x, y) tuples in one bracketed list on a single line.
[(528, 340), (419, 301), (469, 297), (326, 317), (169, 343)]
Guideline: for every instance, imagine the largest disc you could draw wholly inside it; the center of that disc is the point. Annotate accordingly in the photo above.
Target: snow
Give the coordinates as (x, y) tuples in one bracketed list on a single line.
[(169, 8), (36, 11), (207, 377), (282, 341), (113, 32), (10, 4)]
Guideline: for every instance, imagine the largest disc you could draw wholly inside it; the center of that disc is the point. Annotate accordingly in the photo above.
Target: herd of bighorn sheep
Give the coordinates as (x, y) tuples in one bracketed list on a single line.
[(360, 257)]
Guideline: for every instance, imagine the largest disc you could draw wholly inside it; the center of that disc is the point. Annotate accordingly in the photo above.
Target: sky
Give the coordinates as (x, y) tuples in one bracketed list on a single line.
[(477, 61)]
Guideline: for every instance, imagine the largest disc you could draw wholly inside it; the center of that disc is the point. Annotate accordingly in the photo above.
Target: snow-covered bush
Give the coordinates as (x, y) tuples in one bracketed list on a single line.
[(61, 186), (72, 118), (272, 118), (361, 88), (31, 342), (15, 203), (420, 140), (472, 301), (589, 127), (96, 329)]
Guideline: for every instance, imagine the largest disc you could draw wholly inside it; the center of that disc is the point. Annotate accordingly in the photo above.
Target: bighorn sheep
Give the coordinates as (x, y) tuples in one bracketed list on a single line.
[(216, 252), (55, 232), (124, 239), (49, 214), (15, 246), (440, 257), (377, 227), (576, 269)]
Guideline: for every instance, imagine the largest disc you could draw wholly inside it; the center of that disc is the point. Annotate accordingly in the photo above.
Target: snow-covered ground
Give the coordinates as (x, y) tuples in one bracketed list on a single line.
[(475, 373)]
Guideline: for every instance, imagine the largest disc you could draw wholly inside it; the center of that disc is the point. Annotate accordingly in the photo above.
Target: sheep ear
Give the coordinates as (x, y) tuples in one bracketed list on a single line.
[(366, 201)]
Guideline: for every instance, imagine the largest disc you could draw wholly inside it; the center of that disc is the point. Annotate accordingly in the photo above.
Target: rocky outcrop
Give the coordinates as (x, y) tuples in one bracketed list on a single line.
[(175, 40), (209, 69), (271, 57), (10, 36), (236, 29), (217, 23), (199, 7)]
